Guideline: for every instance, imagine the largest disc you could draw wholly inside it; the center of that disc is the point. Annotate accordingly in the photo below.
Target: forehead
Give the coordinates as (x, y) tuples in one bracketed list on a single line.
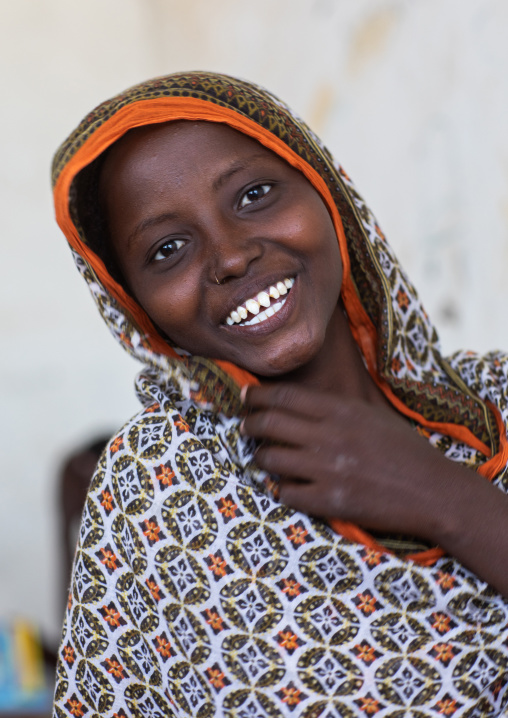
[(179, 149)]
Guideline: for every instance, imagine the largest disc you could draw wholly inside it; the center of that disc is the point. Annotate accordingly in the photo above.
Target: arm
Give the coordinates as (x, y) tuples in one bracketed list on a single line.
[(365, 464)]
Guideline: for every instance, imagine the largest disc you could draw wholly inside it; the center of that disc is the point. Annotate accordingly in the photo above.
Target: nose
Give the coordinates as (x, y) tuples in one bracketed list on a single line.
[(234, 249)]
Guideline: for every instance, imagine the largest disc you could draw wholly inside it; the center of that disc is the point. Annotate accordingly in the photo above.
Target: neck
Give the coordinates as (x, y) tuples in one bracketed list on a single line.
[(339, 367)]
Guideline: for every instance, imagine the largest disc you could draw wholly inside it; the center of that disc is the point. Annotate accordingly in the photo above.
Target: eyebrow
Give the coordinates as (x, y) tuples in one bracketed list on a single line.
[(237, 166), (150, 222)]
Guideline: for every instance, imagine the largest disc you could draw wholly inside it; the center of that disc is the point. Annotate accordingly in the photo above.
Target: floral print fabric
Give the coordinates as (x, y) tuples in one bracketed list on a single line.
[(194, 591)]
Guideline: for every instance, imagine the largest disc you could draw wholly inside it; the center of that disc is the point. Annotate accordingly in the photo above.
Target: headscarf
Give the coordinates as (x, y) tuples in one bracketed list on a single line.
[(192, 405)]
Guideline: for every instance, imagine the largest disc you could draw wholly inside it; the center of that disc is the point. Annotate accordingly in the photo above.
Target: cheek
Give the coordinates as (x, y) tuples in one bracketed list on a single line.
[(327, 253), (174, 307), (316, 226)]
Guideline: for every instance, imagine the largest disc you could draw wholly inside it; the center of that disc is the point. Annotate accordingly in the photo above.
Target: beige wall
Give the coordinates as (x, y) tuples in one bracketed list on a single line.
[(411, 95)]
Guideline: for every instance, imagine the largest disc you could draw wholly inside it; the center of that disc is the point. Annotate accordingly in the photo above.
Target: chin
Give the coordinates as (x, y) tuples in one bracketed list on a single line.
[(287, 361)]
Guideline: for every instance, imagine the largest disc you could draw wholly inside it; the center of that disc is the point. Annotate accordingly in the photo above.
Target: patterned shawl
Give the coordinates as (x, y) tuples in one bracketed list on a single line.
[(194, 591)]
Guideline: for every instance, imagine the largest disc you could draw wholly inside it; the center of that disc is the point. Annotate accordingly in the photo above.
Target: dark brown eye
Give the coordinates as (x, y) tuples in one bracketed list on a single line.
[(254, 194), (168, 249)]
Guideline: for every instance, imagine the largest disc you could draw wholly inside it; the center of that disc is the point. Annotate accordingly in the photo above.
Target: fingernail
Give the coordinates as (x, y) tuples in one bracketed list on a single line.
[(242, 426), (243, 393)]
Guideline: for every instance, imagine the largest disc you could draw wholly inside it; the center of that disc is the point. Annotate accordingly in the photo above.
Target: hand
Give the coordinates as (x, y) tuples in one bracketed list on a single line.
[(351, 460)]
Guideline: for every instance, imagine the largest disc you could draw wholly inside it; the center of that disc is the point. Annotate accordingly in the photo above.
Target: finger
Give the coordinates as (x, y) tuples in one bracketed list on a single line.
[(306, 497), (289, 397), (281, 426), (293, 462)]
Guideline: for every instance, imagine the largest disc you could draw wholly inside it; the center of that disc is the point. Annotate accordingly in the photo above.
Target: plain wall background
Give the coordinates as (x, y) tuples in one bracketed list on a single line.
[(410, 95)]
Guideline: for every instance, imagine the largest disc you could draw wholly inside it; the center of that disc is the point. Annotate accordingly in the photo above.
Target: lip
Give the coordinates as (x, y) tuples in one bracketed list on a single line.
[(273, 322)]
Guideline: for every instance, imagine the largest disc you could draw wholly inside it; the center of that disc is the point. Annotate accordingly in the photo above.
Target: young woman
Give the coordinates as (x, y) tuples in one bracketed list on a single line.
[(307, 516)]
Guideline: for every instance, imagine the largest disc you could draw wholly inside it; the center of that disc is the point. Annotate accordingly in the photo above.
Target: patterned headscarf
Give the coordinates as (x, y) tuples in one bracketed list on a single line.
[(397, 340), (196, 593)]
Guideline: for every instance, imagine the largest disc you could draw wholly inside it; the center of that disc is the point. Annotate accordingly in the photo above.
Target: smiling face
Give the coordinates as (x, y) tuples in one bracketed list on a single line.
[(210, 229)]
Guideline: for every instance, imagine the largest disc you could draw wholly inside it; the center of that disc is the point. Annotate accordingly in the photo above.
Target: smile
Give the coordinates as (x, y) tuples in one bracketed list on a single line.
[(263, 306)]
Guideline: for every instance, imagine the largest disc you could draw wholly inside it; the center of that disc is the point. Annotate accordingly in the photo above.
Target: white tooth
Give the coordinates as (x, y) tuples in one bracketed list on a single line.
[(269, 312), (256, 320), (289, 283), (274, 293), (229, 321), (264, 299), (281, 288), (242, 312), (236, 317), (252, 306)]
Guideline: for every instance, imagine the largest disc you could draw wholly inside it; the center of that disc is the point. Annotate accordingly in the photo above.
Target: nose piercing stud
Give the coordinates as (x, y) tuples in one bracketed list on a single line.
[(216, 278)]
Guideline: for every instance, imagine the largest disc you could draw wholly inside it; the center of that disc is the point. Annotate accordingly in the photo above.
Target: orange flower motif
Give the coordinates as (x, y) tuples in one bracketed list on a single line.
[(109, 559), (447, 706), (75, 707), (402, 299), (370, 706), (443, 652), (69, 601), (291, 587), (111, 616), (69, 655), (164, 475), (152, 530), (115, 668), (445, 580), (152, 408), (107, 501), (297, 534), (216, 677), (163, 646), (228, 508), (291, 696), (441, 622), (366, 603), (217, 564), (365, 653), (116, 445), (214, 620), (154, 589), (181, 424), (372, 557), (288, 640)]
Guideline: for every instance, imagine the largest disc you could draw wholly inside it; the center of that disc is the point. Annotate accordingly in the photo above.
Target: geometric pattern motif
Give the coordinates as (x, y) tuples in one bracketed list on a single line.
[(196, 593)]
